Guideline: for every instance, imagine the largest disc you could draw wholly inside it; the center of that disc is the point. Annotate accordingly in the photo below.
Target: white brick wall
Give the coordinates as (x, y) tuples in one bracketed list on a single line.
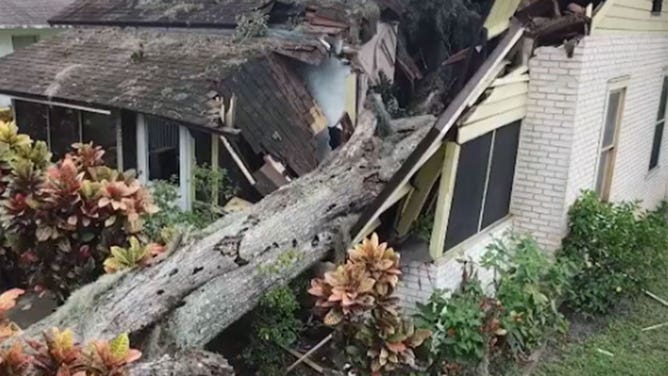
[(420, 279), (546, 138), (560, 137), (643, 57)]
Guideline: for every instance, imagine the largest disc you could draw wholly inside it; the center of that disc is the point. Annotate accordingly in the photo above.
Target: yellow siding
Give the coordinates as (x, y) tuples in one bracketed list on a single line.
[(499, 17), (506, 102), (631, 16)]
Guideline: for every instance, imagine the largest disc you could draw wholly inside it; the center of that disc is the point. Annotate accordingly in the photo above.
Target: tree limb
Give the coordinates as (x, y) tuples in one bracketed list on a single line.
[(209, 283)]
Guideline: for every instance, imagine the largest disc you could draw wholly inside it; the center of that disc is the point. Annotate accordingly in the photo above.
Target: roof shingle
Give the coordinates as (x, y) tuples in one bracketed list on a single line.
[(192, 13), (28, 13), (172, 74)]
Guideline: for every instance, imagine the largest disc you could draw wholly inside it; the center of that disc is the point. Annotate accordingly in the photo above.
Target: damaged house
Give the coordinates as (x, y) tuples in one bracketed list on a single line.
[(166, 87), (566, 96)]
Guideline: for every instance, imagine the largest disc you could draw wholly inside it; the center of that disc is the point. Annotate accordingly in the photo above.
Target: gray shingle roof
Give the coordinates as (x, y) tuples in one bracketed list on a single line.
[(29, 13), (202, 13), (172, 74)]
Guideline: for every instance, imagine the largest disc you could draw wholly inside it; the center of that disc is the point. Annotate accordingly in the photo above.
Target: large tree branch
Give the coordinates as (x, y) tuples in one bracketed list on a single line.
[(191, 363), (209, 283)]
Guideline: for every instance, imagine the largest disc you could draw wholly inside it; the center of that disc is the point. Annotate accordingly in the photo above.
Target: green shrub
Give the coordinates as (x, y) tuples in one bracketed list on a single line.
[(204, 211), (275, 324), (618, 249), (60, 220), (530, 287), (456, 322)]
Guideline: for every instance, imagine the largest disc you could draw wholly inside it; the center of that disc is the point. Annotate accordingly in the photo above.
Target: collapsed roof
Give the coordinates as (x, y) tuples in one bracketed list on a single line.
[(176, 74)]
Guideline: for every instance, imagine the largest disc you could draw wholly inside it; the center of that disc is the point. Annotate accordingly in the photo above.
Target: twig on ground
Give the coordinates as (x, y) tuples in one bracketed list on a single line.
[(310, 352), (307, 361), (604, 352), (653, 327), (658, 299)]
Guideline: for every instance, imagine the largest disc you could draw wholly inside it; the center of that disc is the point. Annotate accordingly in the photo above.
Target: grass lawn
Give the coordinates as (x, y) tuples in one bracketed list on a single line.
[(635, 353)]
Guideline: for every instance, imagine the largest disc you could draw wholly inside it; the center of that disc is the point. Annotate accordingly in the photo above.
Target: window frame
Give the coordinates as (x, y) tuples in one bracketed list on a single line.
[(604, 191), (659, 126), (447, 192), (80, 114)]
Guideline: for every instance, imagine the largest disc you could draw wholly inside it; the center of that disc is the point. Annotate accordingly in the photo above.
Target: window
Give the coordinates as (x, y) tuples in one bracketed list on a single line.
[(21, 41), (163, 149), (60, 127), (608, 150), (483, 183), (656, 6), (660, 126)]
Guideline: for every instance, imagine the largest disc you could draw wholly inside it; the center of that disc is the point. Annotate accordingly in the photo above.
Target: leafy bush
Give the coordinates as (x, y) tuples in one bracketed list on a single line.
[(60, 220), (204, 212), (275, 325), (617, 249), (58, 354), (465, 326), (357, 300), (530, 286)]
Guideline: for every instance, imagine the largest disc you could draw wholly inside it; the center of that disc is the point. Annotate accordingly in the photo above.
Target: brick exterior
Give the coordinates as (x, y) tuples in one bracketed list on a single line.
[(561, 134), (559, 144), (420, 279)]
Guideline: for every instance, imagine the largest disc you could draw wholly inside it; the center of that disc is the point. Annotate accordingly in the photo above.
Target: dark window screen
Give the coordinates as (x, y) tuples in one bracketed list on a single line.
[(657, 6), (468, 191), (64, 129), (129, 136), (656, 146), (100, 129), (500, 186), (31, 118)]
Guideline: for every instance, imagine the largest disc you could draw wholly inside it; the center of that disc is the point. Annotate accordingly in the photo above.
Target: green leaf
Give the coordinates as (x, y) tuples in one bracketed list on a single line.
[(120, 346)]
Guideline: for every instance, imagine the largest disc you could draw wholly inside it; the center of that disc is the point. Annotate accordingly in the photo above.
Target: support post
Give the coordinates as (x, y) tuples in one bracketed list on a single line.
[(445, 193)]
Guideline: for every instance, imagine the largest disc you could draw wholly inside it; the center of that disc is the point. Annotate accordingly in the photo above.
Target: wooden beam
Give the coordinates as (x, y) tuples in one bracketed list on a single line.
[(484, 111), (186, 153), (237, 160), (368, 229), (142, 149), (215, 154), (477, 129), (444, 202), (510, 80), (504, 92), (424, 181), (66, 105)]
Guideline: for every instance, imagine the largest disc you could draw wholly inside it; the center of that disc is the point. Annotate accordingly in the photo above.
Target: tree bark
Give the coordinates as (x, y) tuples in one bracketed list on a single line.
[(211, 281), (191, 363)]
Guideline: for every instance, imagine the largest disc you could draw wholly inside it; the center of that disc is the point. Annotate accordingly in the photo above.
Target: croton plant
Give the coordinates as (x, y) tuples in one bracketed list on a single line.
[(357, 299), (58, 354), (60, 220)]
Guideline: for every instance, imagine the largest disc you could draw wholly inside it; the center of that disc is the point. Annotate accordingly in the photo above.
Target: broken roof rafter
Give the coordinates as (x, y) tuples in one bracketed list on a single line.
[(432, 142)]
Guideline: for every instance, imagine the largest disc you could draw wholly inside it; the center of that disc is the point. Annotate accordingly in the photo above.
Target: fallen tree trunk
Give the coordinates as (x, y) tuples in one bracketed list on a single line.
[(191, 363), (204, 286)]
